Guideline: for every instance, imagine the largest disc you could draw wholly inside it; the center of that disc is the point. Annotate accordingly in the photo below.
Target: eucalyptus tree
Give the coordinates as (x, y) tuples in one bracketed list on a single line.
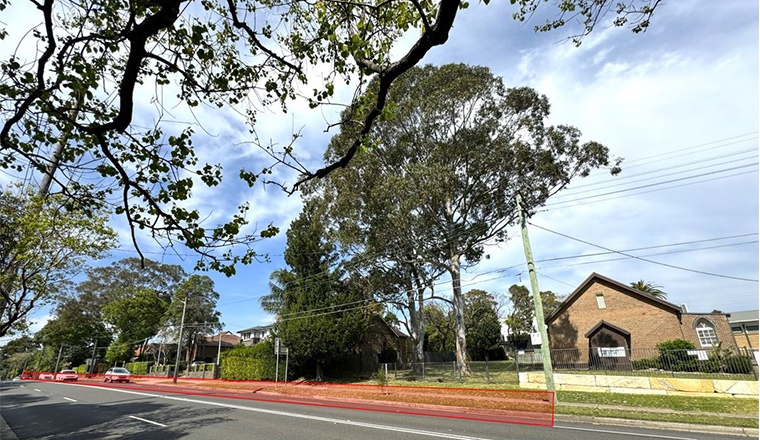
[(458, 149), (87, 76)]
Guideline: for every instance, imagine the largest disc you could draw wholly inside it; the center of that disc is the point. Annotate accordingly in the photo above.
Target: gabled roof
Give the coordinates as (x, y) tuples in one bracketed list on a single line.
[(627, 289), (606, 324)]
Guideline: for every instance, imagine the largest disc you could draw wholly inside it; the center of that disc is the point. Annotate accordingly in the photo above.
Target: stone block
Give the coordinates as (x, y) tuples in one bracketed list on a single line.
[(736, 387), (637, 391), (585, 389), (690, 385), (693, 394), (534, 377), (623, 382), (588, 380)]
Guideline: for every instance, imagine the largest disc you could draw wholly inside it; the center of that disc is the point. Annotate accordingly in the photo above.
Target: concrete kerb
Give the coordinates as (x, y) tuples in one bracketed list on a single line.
[(688, 427), (6, 433)]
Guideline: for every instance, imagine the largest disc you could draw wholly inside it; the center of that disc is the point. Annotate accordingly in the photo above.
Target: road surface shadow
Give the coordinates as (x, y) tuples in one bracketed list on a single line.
[(31, 419)]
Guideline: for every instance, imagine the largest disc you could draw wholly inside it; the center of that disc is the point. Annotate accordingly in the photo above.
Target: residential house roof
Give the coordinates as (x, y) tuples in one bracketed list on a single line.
[(627, 289), (258, 327)]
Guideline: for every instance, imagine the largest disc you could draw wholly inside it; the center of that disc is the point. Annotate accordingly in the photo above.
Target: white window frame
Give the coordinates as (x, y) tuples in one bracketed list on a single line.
[(600, 303), (706, 334)]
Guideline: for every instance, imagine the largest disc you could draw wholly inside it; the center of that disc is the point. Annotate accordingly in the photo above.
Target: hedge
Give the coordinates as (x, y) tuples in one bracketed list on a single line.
[(140, 368), (256, 362)]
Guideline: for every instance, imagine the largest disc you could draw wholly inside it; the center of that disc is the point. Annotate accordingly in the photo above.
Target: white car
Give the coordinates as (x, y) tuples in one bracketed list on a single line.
[(67, 375), (117, 375)]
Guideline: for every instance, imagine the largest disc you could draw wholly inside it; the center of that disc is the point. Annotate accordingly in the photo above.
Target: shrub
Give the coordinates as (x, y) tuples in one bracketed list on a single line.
[(82, 369), (674, 344), (138, 368), (645, 364), (388, 355), (256, 362)]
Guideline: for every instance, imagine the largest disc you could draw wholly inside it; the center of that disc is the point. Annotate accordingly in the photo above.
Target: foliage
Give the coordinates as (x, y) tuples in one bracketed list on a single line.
[(439, 331), (520, 320), (137, 315), (138, 368), (453, 185), (382, 379), (119, 351), (674, 344), (256, 362), (314, 281), (388, 355), (482, 322), (45, 242), (649, 288), (120, 277), (201, 314)]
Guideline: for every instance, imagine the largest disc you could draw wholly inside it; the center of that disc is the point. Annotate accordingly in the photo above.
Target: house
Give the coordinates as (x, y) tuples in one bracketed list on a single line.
[(254, 335), (211, 346), (744, 325), (379, 341), (606, 318)]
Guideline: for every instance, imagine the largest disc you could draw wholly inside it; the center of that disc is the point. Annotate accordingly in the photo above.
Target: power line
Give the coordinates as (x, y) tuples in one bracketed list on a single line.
[(654, 184), (646, 192), (572, 191), (644, 259), (596, 254)]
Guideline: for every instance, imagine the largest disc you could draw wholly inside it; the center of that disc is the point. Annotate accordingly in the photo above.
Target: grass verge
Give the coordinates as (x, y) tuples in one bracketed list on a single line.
[(661, 417), (676, 403)]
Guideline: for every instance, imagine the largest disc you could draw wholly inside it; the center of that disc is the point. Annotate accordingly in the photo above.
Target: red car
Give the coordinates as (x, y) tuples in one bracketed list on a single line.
[(47, 376), (65, 375), (117, 375)]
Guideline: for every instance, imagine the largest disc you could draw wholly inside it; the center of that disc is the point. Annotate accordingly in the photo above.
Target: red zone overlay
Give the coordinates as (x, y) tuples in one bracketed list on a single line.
[(523, 407)]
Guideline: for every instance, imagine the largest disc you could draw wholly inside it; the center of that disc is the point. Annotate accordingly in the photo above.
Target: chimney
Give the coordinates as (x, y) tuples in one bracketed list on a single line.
[(684, 309)]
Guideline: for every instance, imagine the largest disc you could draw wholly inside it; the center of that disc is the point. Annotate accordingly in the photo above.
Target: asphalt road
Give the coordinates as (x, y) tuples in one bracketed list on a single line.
[(48, 410)]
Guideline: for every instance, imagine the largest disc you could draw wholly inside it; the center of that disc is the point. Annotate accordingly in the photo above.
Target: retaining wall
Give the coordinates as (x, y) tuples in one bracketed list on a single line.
[(643, 385)]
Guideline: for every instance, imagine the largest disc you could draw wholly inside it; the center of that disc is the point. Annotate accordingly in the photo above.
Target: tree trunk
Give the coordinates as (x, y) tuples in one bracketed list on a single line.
[(320, 372), (458, 300)]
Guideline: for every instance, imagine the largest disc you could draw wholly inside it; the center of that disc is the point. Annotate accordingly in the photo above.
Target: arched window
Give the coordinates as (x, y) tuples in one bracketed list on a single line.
[(706, 333)]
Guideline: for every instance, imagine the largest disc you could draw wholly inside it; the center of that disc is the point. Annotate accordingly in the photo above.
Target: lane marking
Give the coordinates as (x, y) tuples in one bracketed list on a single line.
[(299, 416), (639, 434), (361, 424), (38, 390), (148, 421), (70, 400)]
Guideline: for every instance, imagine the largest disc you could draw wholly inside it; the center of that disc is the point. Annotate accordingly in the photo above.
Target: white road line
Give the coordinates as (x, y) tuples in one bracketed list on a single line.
[(354, 423), (300, 416), (638, 434), (70, 400), (148, 421), (38, 390)]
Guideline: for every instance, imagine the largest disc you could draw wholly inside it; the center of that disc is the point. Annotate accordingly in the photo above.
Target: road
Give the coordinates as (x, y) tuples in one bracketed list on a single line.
[(48, 410)]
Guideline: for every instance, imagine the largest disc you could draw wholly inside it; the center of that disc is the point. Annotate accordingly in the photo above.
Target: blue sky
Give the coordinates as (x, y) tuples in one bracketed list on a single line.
[(692, 79)]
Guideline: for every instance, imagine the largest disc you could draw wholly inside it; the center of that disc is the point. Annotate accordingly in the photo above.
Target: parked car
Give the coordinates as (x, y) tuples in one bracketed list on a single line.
[(47, 376), (117, 375), (16, 379), (65, 375)]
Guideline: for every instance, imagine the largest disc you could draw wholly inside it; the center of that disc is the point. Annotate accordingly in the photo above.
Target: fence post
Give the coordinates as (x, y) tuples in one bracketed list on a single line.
[(395, 371), (488, 377), (423, 372), (517, 364)]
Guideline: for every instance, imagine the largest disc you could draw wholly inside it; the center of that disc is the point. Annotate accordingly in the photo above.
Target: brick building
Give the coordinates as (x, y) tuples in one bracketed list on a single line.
[(603, 317), (744, 324)]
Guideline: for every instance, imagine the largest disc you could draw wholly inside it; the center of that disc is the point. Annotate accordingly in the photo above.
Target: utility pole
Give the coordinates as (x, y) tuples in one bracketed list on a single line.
[(219, 350), (60, 350), (539, 308), (94, 350), (179, 341)]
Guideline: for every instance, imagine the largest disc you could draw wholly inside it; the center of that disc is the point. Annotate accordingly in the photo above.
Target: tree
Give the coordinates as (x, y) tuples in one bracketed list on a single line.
[(482, 321), (136, 316), (520, 320), (320, 315), (201, 316), (459, 148), (649, 288), (72, 105), (120, 277), (44, 245), (439, 331)]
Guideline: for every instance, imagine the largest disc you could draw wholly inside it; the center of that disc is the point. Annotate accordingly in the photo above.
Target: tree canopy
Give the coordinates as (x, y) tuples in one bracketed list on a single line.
[(43, 245), (441, 178), (649, 288), (71, 102)]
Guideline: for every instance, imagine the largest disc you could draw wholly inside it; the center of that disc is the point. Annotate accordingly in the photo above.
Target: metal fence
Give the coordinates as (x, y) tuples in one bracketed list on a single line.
[(718, 362), (503, 371)]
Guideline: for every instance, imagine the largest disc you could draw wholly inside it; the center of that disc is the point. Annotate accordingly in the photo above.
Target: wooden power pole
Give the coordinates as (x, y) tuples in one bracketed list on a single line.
[(539, 308)]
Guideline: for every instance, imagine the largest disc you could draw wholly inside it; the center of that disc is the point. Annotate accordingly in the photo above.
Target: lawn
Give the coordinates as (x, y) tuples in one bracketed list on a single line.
[(662, 417), (648, 373), (675, 403)]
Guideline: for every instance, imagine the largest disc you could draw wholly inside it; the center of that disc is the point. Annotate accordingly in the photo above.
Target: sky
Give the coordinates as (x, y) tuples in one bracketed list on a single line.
[(680, 99)]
